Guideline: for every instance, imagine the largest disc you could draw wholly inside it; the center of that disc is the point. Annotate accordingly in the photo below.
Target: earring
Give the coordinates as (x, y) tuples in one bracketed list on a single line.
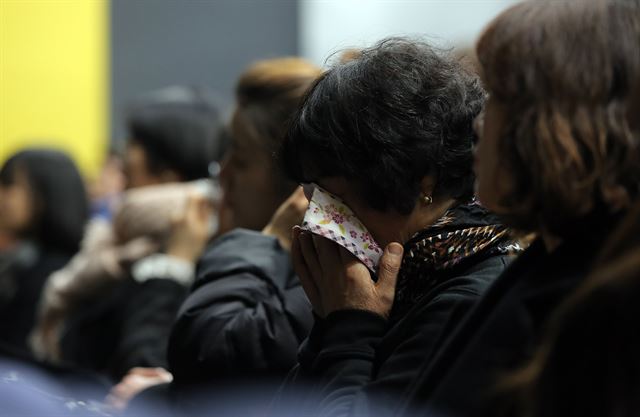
[(427, 199)]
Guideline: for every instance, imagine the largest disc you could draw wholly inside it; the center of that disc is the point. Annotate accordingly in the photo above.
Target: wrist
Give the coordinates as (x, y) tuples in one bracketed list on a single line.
[(160, 266)]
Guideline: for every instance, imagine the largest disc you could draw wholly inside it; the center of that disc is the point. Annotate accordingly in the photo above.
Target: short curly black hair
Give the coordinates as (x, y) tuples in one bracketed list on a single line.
[(385, 119)]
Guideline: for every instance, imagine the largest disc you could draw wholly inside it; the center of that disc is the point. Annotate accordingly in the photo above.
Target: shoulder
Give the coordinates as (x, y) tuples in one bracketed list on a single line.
[(247, 253), (473, 278)]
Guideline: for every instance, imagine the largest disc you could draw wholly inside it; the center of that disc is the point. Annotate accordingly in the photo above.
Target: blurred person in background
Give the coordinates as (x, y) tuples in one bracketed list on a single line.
[(246, 314), (43, 210), (588, 364), (92, 312), (267, 94), (556, 156), (173, 136)]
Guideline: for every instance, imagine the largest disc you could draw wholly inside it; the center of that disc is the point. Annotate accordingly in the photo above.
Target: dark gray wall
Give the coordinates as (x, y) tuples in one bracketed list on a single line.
[(156, 43)]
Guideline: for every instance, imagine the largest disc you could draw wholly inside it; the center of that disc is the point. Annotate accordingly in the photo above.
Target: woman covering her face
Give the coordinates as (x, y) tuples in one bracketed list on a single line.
[(389, 134)]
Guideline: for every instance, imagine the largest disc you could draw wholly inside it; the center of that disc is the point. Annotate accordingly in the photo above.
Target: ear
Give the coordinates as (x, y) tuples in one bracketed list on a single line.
[(427, 185)]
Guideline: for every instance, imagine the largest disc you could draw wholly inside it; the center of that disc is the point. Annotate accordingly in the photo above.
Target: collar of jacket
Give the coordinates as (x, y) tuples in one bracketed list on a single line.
[(466, 233)]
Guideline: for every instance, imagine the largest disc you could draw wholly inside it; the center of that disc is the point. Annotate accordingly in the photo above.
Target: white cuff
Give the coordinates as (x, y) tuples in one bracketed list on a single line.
[(160, 266)]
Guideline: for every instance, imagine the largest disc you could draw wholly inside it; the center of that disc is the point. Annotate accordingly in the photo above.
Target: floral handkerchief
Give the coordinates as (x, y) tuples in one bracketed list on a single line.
[(329, 217)]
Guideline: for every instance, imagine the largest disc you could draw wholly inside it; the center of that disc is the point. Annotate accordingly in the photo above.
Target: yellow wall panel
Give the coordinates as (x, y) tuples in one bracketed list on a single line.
[(54, 77)]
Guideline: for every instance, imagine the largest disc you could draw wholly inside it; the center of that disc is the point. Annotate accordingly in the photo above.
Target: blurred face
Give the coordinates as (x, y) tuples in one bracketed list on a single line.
[(16, 206), (248, 183), (137, 172), (492, 180)]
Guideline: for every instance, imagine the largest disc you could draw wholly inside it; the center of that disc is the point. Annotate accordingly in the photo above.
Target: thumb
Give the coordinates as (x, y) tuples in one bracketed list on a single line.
[(389, 267)]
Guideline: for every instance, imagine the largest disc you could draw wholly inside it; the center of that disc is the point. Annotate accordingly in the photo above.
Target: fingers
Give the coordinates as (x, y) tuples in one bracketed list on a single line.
[(180, 216), (310, 256), (297, 197), (195, 206), (300, 266), (353, 266), (298, 204), (296, 253), (149, 372), (347, 257), (137, 380), (389, 268), (328, 251)]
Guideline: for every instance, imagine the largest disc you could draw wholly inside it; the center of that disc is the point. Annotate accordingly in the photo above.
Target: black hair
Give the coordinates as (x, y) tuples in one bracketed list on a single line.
[(393, 114), (60, 199), (180, 129)]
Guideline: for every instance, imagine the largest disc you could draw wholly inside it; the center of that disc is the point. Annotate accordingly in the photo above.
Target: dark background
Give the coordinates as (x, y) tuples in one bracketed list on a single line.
[(158, 43)]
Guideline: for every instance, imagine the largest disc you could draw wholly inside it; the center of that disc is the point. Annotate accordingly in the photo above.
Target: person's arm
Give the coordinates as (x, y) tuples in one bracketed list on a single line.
[(161, 285), (245, 316), (351, 372), (351, 380), (339, 355), (147, 320)]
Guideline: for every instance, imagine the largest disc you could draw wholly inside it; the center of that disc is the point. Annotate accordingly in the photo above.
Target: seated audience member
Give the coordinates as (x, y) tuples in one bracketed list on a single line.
[(389, 132), (246, 315), (587, 365), (556, 156), (105, 311), (43, 210), (173, 136)]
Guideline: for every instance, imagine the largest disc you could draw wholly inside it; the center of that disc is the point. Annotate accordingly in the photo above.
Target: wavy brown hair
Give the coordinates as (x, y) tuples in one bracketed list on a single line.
[(563, 71)]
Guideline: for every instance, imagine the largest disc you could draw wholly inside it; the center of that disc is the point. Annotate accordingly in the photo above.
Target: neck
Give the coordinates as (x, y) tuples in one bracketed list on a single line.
[(423, 218)]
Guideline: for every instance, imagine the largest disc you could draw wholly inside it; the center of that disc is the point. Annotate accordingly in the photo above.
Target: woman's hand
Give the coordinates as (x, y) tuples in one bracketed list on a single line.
[(136, 381), (45, 338), (336, 280), (289, 214), (191, 230)]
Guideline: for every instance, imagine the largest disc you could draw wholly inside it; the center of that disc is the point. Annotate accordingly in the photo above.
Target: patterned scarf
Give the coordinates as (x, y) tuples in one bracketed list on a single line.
[(465, 233)]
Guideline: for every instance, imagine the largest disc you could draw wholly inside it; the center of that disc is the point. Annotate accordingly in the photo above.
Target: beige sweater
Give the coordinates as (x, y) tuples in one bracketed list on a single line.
[(141, 225)]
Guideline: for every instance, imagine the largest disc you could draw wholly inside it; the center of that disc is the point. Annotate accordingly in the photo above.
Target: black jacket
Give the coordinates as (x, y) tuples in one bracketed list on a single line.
[(127, 327), (356, 363), (22, 278), (245, 316), (501, 333)]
